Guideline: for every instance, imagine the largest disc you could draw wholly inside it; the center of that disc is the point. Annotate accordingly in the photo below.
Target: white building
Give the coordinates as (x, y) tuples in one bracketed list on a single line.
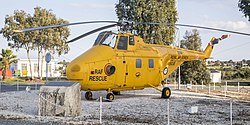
[(215, 76), (23, 66)]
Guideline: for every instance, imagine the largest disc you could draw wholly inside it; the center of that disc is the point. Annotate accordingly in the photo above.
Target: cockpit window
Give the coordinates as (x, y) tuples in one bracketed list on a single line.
[(109, 40), (106, 38), (99, 38), (123, 43)]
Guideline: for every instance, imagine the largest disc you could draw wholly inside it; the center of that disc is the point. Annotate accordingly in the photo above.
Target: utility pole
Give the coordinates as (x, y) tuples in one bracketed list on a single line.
[(179, 78), (47, 59), (179, 69)]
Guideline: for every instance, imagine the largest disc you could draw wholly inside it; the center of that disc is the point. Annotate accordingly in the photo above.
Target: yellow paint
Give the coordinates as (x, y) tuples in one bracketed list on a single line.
[(89, 68), (24, 72)]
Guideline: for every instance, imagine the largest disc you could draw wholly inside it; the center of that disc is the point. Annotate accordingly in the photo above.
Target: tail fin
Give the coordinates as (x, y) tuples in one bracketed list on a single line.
[(211, 44)]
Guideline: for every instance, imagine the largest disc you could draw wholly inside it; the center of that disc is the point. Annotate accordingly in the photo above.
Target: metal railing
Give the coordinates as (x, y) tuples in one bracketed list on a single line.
[(17, 86)]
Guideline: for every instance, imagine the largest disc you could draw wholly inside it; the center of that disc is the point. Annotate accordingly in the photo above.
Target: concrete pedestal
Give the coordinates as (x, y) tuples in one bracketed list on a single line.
[(60, 99)]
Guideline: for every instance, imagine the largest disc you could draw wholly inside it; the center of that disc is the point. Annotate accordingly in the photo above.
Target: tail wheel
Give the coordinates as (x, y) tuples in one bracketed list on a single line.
[(110, 97), (166, 92), (116, 92), (88, 95)]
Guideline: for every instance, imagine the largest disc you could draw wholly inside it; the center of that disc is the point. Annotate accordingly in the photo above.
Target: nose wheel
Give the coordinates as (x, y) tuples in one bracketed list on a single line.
[(166, 92), (88, 95), (110, 97)]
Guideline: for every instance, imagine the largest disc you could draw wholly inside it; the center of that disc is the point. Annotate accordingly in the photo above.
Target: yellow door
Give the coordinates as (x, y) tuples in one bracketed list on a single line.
[(135, 74), (152, 74), (120, 73)]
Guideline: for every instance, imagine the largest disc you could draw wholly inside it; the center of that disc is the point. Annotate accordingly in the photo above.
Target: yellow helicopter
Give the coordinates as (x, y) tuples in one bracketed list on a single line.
[(122, 61)]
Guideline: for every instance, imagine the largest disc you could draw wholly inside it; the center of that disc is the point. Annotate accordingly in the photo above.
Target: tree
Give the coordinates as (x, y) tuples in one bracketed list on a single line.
[(217, 63), (53, 40), (150, 11), (56, 40), (19, 20), (195, 71), (6, 59), (244, 6), (1, 65), (62, 68), (248, 62)]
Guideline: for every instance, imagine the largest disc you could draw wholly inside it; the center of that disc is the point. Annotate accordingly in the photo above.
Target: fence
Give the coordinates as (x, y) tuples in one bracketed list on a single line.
[(226, 87), (145, 106), (17, 86), (181, 110)]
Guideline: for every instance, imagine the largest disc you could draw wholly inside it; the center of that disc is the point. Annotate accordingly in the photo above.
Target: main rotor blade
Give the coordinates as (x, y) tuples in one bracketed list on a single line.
[(196, 26), (215, 29), (91, 32), (61, 25)]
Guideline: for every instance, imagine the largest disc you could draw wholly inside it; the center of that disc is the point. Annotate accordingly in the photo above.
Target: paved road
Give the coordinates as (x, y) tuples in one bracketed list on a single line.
[(22, 87), (23, 122), (18, 87)]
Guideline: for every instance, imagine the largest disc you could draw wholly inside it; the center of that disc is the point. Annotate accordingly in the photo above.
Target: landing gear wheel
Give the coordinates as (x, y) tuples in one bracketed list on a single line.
[(116, 92), (88, 95), (166, 92), (110, 97)]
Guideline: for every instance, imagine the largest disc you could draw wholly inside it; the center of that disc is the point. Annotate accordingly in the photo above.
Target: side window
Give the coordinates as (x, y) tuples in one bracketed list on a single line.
[(150, 63), (131, 40), (123, 43), (138, 63), (24, 66)]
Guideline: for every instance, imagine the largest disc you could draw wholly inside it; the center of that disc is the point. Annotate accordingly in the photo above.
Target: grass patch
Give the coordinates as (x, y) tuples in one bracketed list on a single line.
[(28, 80), (13, 80)]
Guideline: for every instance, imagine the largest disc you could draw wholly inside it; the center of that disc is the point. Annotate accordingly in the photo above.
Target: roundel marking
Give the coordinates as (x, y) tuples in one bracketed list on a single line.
[(165, 71)]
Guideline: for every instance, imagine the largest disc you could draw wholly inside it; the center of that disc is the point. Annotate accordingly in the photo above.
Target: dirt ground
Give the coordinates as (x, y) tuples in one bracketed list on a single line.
[(135, 107)]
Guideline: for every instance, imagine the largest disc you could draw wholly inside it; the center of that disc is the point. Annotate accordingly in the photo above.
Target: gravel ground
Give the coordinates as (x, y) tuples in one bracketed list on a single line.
[(132, 107)]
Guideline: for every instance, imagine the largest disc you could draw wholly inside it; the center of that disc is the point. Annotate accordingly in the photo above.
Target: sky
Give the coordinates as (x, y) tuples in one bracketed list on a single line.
[(213, 13)]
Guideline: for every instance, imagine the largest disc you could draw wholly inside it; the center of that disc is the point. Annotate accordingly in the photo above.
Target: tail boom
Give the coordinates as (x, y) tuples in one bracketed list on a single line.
[(211, 44)]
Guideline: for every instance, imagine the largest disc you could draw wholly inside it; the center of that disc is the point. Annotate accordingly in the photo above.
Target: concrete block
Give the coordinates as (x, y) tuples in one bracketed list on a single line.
[(60, 99)]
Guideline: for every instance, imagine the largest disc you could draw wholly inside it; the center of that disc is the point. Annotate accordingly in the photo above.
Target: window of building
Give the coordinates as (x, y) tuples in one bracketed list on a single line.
[(138, 63), (150, 63), (131, 40), (123, 43), (24, 66)]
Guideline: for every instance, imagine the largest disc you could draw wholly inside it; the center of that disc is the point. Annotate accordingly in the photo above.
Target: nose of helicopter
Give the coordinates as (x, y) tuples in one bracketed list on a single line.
[(79, 68), (77, 72)]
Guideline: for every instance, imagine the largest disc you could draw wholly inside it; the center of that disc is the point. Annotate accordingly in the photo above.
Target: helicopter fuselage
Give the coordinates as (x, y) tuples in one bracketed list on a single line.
[(119, 62)]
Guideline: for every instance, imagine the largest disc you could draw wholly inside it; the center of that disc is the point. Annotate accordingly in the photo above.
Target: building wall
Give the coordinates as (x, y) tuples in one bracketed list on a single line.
[(23, 66), (215, 77)]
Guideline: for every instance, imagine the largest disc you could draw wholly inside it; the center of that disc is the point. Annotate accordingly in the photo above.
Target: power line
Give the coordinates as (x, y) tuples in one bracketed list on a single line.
[(231, 48)]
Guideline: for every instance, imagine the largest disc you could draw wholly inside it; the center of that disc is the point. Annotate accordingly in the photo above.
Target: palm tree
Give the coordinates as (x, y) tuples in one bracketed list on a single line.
[(6, 59)]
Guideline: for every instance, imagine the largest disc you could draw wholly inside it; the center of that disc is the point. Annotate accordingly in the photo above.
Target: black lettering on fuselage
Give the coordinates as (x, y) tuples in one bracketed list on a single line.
[(179, 57), (97, 78), (184, 57), (98, 71), (171, 63)]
